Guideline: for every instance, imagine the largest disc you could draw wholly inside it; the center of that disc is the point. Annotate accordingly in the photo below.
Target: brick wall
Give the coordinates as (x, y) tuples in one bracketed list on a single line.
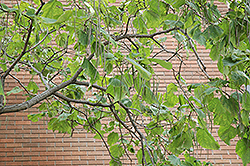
[(23, 142)]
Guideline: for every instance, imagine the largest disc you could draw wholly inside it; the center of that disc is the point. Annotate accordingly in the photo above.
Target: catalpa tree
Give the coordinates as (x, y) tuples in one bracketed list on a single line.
[(110, 50)]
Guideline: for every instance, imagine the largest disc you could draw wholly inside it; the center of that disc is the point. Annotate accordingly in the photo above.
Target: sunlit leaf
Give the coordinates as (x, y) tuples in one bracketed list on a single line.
[(206, 140)]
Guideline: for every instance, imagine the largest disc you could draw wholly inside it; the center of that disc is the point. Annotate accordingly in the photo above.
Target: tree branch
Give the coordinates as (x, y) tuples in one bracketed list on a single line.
[(40, 97)]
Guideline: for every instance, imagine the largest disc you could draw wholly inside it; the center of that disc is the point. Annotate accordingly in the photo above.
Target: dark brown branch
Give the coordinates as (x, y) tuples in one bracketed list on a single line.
[(25, 45), (199, 61), (40, 97), (20, 84)]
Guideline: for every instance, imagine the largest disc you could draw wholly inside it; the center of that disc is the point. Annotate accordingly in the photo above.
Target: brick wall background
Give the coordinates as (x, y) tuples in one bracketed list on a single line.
[(23, 142)]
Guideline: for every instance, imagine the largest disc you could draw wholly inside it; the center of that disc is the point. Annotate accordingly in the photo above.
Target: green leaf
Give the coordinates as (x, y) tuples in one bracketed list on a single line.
[(181, 142), (35, 117), (209, 91), (32, 86), (53, 9), (174, 160), (206, 140), (108, 37), (83, 37), (152, 18), (48, 20), (223, 116), (213, 31), (117, 88), (246, 100), (177, 4), (144, 73), (164, 64), (14, 91), (63, 116), (90, 70), (236, 79), (146, 155), (245, 117), (116, 151), (140, 25), (214, 53), (226, 133), (171, 100), (64, 17), (243, 150), (115, 163), (148, 96), (62, 126), (73, 66), (5, 7), (112, 138), (229, 62), (200, 113)]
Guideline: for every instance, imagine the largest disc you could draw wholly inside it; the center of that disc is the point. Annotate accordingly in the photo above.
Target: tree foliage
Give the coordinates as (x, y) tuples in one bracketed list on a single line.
[(110, 50)]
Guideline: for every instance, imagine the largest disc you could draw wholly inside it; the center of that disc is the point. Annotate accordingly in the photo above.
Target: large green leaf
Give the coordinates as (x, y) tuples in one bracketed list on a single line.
[(117, 88), (63, 116), (116, 151), (246, 100), (90, 70), (140, 25), (64, 17), (206, 140), (223, 116), (152, 18), (181, 142), (174, 160), (112, 138), (226, 133), (243, 150), (166, 65), (53, 9), (32, 86), (146, 155), (144, 73), (14, 91), (245, 117), (214, 53), (170, 99), (35, 117), (148, 96)]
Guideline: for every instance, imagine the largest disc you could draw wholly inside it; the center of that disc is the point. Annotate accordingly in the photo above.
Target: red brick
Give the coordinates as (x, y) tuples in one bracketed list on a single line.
[(14, 145), (46, 162), (63, 162), (7, 159), (38, 158), (6, 140), (55, 158), (22, 149), (71, 158), (22, 158)]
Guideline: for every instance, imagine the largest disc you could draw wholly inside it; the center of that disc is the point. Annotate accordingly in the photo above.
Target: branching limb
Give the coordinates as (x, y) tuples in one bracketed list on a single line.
[(199, 61), (20, 83), (25, 45)]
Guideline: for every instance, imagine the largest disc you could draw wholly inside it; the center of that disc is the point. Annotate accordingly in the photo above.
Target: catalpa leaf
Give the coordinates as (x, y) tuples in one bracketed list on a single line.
[(164, 64), (243, 150), (226, 133), (14, 91), (144, 73), (90, 70), (206, 140), (112, 138)]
